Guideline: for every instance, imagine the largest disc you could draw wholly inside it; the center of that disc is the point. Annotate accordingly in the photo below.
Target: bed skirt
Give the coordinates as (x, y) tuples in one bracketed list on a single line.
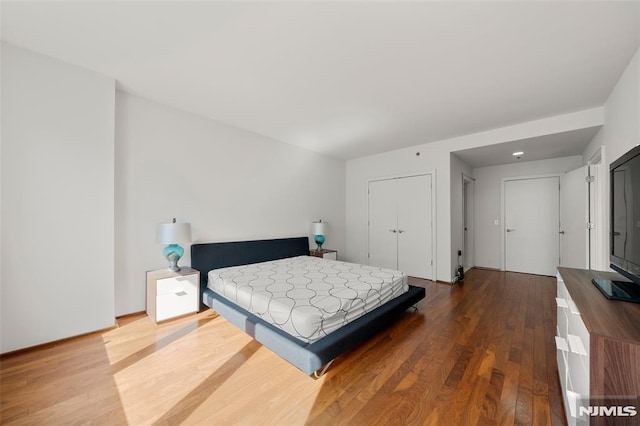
[(309, 357)]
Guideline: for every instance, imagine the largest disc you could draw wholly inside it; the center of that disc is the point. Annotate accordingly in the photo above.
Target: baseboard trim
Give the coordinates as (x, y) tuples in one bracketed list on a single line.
[(485, 268), (46, 345)]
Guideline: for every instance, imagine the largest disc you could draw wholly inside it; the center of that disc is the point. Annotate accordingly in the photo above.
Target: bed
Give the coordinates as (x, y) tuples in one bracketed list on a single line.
[(314, 348)]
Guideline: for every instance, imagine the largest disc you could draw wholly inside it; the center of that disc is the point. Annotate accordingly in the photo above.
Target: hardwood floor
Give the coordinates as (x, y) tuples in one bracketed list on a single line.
[(480, 353)]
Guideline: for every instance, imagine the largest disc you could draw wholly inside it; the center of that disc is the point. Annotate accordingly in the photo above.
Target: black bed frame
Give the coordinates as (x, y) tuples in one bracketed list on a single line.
[(308, 357)]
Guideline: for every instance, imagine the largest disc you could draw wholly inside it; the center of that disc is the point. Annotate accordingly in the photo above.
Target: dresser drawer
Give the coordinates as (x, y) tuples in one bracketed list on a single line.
[(578, 373), (561, 350), (577, 328), (562, 326), (561, 288)]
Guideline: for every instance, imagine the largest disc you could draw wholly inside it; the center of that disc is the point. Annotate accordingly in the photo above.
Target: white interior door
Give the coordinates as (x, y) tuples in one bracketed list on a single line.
[(598, 237), (414, 226), (573, 219), (531, 218), (383, 224)]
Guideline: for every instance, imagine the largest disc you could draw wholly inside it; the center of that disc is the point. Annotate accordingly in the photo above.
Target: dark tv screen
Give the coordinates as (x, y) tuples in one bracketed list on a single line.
[(624, 229), (625, 212)]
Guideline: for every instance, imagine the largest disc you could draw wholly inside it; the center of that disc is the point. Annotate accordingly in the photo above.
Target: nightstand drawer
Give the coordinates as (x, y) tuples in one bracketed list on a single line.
[(176, 303), (175, 285), (325, 254)]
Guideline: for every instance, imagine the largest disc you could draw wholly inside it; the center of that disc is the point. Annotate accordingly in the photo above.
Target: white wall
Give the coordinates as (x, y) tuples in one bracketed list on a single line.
[(395, 163), (621, 131), (436, 157), (57, 200), (487, 201), (230, 184), (622, 113)]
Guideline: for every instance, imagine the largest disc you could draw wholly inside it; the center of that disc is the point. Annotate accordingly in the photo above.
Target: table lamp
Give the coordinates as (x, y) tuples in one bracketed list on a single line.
[(172, 233), (318, 229)]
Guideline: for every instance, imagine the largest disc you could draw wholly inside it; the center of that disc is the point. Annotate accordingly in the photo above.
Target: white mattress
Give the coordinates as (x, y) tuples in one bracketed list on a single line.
[(308, 297)]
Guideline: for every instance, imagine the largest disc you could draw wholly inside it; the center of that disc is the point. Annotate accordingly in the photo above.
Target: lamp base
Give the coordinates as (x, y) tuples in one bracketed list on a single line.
[(173, 253), (319, 239)]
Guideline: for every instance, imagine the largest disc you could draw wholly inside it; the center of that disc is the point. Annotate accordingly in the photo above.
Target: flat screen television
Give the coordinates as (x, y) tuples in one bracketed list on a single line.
[(624, 233)]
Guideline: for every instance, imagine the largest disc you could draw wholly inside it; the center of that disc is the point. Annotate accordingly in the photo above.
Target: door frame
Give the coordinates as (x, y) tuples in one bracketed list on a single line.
[(434, 226), (599, 234), (468, 237), (503, 233)]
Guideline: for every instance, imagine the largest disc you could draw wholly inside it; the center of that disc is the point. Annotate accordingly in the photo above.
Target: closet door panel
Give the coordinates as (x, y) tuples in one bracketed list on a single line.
[(383, 242), (414, 226)]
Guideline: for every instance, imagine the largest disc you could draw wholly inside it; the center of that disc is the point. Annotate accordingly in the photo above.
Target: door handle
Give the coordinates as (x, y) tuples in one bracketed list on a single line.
[(510, 230), (393, 230), (561, 232), (400, 231)]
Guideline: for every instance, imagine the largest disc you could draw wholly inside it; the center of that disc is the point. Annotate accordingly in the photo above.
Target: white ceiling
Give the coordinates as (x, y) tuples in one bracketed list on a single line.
[(558, 145), (345, 78)]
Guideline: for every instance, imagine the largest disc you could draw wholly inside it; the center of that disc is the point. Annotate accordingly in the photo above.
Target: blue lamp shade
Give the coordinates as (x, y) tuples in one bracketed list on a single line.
[(319, 229), (172, 233)]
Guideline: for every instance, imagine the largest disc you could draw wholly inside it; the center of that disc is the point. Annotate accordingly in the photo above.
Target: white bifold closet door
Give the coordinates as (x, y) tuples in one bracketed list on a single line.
[(400, 225)]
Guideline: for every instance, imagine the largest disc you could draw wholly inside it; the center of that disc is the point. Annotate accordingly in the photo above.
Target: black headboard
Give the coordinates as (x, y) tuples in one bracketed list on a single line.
[(205, 257)]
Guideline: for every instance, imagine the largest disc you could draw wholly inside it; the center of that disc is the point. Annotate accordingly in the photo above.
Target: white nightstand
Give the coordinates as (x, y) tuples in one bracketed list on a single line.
[(172, 294), (325, 254)]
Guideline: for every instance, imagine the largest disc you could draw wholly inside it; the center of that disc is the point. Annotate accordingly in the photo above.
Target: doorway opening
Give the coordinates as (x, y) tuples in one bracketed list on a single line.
[(468, 243)]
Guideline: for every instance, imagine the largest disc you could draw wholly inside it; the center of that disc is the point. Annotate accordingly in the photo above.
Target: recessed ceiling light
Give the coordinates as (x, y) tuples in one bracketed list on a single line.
[(517, 154)]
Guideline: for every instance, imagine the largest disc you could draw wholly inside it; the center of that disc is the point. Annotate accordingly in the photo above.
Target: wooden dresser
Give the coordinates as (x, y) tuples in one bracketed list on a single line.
[(598, 351)]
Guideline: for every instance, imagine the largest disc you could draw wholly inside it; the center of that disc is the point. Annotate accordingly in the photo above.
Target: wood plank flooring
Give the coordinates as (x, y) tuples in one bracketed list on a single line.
[(480, 353)]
